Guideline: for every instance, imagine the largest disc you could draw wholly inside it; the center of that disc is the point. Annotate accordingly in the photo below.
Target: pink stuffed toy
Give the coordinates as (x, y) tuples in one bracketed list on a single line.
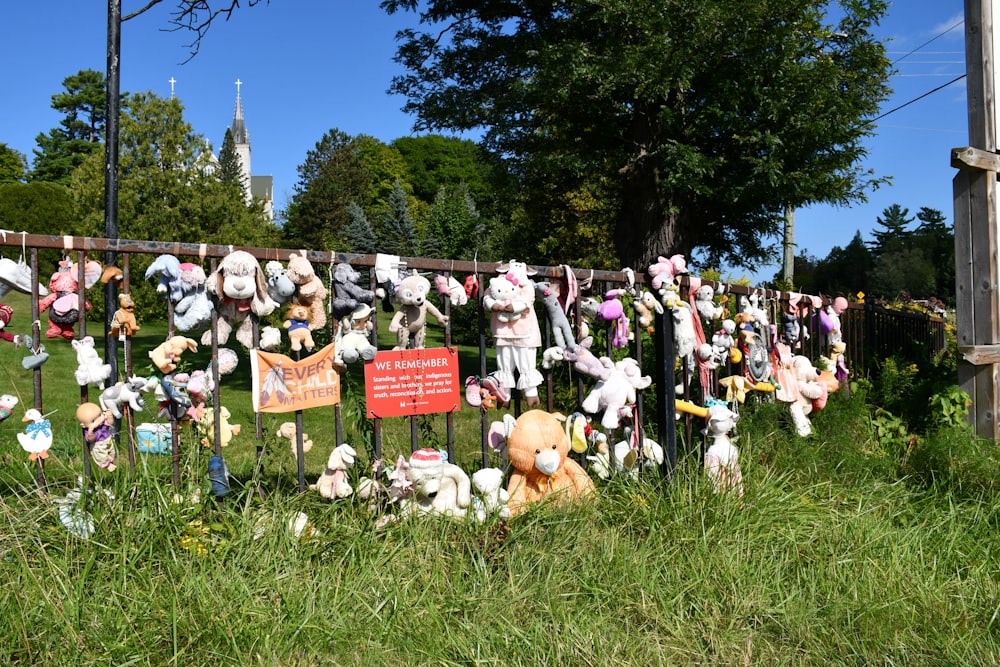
[(612, 310), (63, 302), (666, 270)]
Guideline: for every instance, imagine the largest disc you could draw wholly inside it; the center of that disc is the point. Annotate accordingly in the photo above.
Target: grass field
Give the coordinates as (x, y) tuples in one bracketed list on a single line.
[(844, 550)]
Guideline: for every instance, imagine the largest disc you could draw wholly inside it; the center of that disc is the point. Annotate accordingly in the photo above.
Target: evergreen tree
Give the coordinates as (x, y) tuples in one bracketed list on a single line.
[(844, 270), (397, 234), (893, 235), (358, 233), (230, 166), (454, 224), (80, 132), (936, 238)]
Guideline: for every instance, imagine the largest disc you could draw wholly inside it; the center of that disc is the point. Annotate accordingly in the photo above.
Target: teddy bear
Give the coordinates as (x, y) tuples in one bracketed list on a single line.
[(333, 484), (166, 355), (63, 302), (355, 331), (91, 369), (410, 321), (280, 287), (810, 391), (297, 323), (439, 487), (309, 289), (538, 449), (722, 458), (289, 432), (517, 341), (347, 294), (123, 322), (617, 392), (646, 306), (704, 303), (492, 498), (502, 293), (206, 426)]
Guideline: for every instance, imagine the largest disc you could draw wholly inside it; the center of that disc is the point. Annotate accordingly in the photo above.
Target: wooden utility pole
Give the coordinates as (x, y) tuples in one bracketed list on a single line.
[(977, 293), (788, 255)]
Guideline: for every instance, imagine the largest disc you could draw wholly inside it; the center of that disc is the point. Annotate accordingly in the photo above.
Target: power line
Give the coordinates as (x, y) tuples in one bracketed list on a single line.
[(915, 99), (928, 41)]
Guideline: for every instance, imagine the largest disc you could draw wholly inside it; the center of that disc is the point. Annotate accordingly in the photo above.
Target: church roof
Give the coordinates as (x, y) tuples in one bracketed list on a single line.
[(240, 133)]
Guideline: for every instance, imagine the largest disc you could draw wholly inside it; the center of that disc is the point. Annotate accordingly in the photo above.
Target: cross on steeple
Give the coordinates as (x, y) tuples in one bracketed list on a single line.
[(172, 82), (238, 84)]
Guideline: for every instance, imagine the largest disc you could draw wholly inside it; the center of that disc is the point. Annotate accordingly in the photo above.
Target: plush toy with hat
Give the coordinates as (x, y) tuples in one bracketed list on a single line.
[(410, 321), (517, 341), (309, 289), (439, 487), (355, 336), (538, 449)]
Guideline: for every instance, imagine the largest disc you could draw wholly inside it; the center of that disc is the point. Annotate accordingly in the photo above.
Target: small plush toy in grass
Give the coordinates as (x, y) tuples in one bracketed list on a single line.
[(289, 432), (538, 448), (439, 487), (410, 321), (492, 498), (333, 484), (722, 458)]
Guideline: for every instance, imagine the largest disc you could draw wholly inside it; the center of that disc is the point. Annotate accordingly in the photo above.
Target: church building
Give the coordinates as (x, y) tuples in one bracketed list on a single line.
[(259, 187)]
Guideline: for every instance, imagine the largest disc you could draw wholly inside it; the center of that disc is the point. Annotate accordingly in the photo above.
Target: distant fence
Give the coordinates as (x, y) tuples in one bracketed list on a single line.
[(870, 332)]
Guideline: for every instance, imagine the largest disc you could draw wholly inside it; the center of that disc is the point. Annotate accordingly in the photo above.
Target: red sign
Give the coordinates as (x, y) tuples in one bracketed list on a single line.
[(401, 383)]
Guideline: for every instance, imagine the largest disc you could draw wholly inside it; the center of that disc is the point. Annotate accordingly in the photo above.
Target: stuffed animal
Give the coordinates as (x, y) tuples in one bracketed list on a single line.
[(123, 322), (166, 355), (193, 311), (722, 458), (206, 426), (166, 269), (612, 310), (270, 338), (626, 455), (97, 433), (289, 432), (646, 305), (584, 361), (280, 287), (91, 369), (666, 270), (830, 320), (810, 390), (562, 332), (617, 392), (63, 302), (517, 341), (838, 365), (114, 398), (333, 482), (538, 449), (6, 313), (239, 290), (355, 331), (175, 402), (347, 294), (501, 300), (37, 436), (492, 498), (439, 487), (410, 321), (309, 289), (297, 324), (7, 404), (704, 302), (450, 287)]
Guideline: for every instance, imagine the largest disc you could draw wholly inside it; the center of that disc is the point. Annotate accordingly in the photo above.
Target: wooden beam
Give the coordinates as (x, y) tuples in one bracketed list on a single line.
[(974, 159), (980, 355)]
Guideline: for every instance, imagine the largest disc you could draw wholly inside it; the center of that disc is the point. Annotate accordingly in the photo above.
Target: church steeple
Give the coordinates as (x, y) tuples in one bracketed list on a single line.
[(240, 133)]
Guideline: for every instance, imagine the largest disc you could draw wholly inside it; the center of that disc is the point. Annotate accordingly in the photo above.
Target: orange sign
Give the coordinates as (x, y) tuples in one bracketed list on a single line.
[(400, 383), (281, 384)]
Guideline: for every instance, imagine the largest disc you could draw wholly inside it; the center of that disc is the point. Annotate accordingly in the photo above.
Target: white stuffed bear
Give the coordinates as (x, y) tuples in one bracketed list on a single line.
[(492, 499), (333, 484), (616, 392), (354, 342), (438, 487), (504, 293), (722, 458), (91, 368), (810, 389), (704, 301)]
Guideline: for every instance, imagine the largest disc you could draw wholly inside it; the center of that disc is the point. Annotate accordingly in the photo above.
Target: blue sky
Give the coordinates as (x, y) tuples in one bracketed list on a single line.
[(312, 65)]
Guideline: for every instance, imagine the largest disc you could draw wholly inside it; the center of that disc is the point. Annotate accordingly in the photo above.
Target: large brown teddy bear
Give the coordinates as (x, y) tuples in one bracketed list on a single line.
[(538, 448), (309, 289)]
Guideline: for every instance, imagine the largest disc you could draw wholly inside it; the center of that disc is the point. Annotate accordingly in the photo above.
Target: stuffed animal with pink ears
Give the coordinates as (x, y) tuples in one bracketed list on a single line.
[(612, 310), (666, 270)]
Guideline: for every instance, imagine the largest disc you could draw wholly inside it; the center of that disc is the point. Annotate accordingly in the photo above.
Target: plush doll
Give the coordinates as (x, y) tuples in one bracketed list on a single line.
[(646, 305), (617, 392), (829, 319), (63, 302), (347, 294), (7, 404), (6, 313), (37, 436), (666, 270), (97, 433), (289, 432), (685, 337), (838, 365), (280, 287), (166, 355), (704, 301), (175, 402), (538, 449), (810, 390), (239, 290), (206, 426), (410, 321), (129, 392), (91, 369), (380, 496), (270, 338), (612, 310), (501, 297), (439, 487), (722, 458), (297, 324), (562, 332), (584, 361), (492, 498), (355, 331), (193, 311), (309, 289), (517, 341), (450, 287), (333, 484), (123, 322)]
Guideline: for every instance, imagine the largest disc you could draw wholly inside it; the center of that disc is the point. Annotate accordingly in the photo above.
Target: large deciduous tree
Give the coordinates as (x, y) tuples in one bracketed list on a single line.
[(708, 118), (13, 165), (80, 132)]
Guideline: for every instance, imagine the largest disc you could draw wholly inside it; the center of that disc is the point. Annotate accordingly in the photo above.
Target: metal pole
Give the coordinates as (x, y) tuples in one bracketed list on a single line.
[(111, 172)]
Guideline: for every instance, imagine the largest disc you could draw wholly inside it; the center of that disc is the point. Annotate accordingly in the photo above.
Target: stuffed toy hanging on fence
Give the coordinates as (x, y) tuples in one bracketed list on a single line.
[(347, 294), (91, 369), (240, 291), (309, 289), (96, 424), (410, 321), (616, 393), (518, 340), (63, 302), (184, 284), (37, 436)]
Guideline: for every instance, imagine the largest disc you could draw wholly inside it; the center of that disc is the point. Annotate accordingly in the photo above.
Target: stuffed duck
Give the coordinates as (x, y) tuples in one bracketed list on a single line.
[(37, 436)]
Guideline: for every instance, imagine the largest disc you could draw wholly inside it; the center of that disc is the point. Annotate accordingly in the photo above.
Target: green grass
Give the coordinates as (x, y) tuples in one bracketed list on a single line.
[(840, 552)]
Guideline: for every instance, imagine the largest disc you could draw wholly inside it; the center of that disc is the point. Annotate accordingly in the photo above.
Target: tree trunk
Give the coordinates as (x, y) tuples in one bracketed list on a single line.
[(647, 226)]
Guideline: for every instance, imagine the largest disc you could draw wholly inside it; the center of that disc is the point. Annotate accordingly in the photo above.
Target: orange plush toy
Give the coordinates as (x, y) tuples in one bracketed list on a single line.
[(538, 448)]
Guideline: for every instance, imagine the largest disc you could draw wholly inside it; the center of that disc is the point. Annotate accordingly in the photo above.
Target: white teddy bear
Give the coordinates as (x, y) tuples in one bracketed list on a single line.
[(504, 292), (492, 499)]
